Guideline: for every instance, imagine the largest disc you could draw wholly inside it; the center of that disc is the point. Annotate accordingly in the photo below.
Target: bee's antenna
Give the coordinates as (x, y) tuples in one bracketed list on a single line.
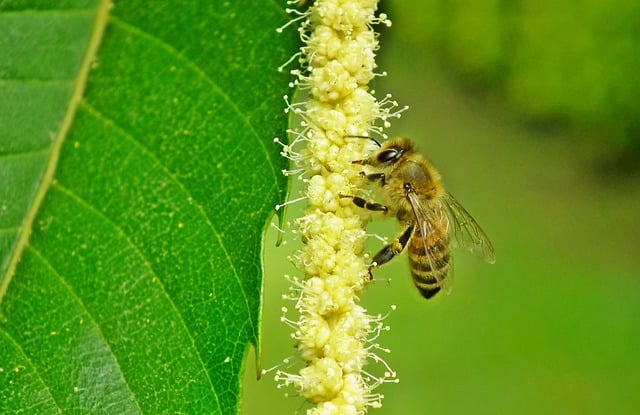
[(366, 137)]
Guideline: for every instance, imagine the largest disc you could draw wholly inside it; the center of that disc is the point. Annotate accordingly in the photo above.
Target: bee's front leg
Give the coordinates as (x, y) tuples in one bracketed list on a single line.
[(387, 253), (360, 202), (375, 177)]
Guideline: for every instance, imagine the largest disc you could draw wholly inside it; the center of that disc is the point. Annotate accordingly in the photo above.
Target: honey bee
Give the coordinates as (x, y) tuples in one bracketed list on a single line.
[(413, 192)]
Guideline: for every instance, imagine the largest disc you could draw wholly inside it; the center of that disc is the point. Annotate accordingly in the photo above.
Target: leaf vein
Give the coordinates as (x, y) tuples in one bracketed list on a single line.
[(37, 373), (147, 263), (217, 88), (75, 295), (181, 185), (102, 14)]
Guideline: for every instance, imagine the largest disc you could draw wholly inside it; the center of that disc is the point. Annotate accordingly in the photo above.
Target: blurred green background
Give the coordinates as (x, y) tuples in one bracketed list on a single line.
[(568, 64), (525, 107)]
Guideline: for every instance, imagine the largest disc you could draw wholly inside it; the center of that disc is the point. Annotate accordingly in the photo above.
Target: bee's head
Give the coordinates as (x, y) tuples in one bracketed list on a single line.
[(390, 152), (388, 156)]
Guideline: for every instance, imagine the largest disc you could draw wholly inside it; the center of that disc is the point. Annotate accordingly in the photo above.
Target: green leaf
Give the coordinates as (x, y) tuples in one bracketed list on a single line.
[(137, 173)]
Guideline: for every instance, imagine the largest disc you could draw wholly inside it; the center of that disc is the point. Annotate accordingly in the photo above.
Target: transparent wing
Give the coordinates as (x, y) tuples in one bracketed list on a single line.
[(433, 222), (467, 234)]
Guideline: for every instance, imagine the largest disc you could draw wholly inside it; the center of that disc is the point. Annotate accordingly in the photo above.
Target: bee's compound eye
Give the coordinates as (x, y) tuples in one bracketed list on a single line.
[(391, 154)]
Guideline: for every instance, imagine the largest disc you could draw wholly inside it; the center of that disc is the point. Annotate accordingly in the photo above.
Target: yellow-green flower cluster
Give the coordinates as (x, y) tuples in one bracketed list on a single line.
[(334, 334)]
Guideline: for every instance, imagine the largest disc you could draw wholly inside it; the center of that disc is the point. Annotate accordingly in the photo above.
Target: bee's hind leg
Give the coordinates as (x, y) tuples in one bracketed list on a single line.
[(387, 253)]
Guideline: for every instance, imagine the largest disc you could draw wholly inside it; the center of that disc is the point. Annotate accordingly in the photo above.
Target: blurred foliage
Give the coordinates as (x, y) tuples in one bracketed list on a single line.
[(557, 63)]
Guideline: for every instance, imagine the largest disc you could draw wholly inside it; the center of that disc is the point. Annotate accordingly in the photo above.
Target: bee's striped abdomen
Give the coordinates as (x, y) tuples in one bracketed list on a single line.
[(429, 267)]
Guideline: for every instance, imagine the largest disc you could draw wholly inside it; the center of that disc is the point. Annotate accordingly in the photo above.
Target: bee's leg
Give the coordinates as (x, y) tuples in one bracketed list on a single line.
[(360, 202), (375, 177), (387, 253)]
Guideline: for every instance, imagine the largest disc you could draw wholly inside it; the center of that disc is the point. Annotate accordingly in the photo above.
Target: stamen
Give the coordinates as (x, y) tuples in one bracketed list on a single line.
[(289, 202), (291, 59), (383, 239), (301, 16), (279, 229)]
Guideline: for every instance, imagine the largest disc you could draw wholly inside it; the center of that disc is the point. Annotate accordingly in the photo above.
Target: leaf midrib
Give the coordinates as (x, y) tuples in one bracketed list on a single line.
[(102, 15)]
